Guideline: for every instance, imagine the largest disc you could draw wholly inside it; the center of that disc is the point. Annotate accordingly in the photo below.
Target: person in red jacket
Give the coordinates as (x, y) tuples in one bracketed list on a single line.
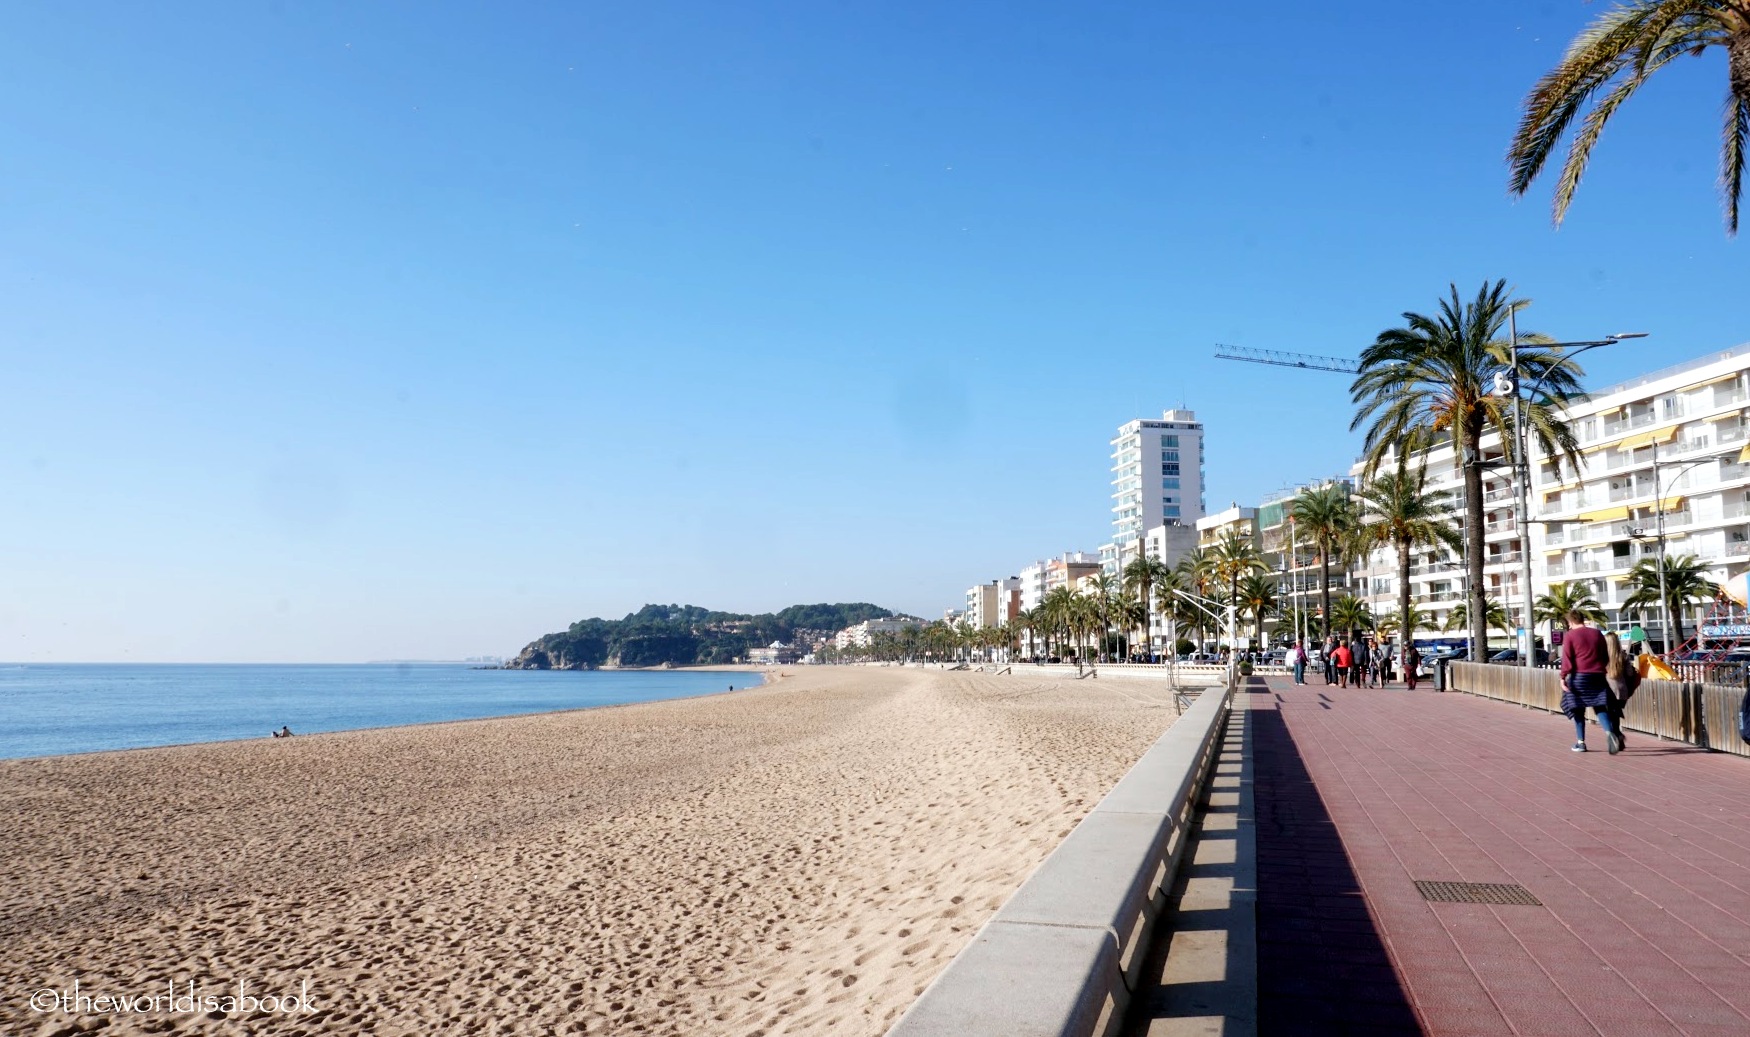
[(1342, 657), (1585, 658)]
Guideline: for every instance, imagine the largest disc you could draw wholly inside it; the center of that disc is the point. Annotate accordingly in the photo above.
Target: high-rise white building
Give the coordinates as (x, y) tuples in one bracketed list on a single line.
[(1157, 479)]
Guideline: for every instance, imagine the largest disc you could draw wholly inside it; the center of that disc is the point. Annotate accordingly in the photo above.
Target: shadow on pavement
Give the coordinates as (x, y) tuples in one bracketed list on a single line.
[(1322, 966)]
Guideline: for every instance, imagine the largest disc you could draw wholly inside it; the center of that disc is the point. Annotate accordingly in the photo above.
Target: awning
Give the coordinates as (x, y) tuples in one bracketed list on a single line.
[(1604, 514), (1670, 504), (1664, 435), (1554, 550), (1711, 381), (1744, 455), (1731, 415)]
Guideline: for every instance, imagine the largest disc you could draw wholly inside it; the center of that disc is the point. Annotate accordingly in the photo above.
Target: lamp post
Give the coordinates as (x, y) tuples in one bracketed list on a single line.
[(1527, 657), (1665, 616)]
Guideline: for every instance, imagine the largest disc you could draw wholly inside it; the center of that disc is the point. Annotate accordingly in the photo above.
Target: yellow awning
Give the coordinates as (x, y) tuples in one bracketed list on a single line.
[(1554, 550), (1604, 514), (1661, 436), (1670, 504), (1731, 415), (1744, 455)]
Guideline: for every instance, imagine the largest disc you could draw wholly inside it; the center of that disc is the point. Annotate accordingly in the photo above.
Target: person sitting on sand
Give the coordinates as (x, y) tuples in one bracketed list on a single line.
[(283, 732)]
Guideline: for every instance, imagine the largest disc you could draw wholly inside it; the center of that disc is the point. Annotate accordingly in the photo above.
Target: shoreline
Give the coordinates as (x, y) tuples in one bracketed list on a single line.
[(791, 857), (767, 680)]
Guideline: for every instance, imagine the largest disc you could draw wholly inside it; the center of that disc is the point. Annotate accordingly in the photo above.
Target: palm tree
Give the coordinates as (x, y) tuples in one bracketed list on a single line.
[(1563, 598), (1621, 49), (1140, 577), (1430, 381), (1130, 613), (1235, 557), (1392, 623), (1398, 509), (1686, 581), (1197, 570), (1027, 623), (1350, 614), (1494, 618), (1257, 596), (1327, 515), (1058, 603)]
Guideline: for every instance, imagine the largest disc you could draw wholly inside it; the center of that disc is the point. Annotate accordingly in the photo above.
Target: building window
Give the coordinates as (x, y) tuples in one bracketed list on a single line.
[(1169, 455), (1169, 469), (1169, 441), (1171, 510), (1169, 484)]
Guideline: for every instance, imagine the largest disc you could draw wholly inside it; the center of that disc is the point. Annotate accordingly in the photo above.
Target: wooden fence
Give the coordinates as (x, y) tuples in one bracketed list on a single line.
[(1700, 714)]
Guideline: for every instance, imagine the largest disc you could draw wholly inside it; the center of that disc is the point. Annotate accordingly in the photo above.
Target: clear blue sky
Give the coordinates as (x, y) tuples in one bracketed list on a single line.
[(350, 331)]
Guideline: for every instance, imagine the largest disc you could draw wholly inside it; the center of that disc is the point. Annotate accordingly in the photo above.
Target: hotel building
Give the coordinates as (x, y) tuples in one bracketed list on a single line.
[(1157, 479)]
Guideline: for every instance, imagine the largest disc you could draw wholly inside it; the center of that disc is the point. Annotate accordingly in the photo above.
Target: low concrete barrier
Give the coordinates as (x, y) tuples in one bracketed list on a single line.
[(1061, 957)]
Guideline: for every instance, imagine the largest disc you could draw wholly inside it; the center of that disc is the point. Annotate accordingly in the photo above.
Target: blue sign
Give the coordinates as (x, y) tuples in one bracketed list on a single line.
[(1725, 630)]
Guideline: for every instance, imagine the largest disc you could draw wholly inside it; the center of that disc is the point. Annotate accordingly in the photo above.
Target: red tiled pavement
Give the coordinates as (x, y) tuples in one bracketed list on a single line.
[(1642, 862)]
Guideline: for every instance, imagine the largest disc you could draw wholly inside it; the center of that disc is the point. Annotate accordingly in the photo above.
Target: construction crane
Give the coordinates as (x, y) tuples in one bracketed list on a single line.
[(1278, 358)]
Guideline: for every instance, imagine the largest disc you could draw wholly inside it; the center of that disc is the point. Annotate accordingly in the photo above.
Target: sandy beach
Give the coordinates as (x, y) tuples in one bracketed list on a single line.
[(797, 858)]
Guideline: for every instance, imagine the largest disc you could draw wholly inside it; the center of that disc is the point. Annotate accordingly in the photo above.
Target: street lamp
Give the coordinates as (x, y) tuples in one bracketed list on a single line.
[(1527, 657), (1665, 617)]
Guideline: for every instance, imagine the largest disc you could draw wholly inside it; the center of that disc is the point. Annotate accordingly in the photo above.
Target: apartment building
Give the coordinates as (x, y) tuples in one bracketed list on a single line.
[(992, 604), (1212, 529), (1293, 556), (1668, 448), (1157, 479)]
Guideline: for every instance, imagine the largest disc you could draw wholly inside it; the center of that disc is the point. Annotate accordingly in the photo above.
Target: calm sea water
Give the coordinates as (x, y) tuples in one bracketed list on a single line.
[(49, 710)]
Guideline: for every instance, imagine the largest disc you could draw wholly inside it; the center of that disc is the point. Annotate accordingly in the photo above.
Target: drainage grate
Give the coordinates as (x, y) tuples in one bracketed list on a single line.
[(1477, 893)]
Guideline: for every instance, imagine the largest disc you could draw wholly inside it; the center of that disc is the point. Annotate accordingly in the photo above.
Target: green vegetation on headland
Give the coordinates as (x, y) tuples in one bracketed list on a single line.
[(685, 635)]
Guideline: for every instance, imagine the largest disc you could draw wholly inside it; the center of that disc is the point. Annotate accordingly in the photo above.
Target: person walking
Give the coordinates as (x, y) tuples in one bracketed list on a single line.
[(1299, 663), (1412, 660), (1343, 660), (1624, 678), (1358, 660), (1585, 660), (1330, 661)]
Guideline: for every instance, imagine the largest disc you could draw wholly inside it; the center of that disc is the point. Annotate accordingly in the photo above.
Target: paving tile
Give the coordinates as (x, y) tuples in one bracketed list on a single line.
[(1642, 862)]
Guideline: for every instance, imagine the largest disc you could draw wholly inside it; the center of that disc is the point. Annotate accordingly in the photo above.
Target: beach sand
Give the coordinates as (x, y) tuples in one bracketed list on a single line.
[(802, 857)]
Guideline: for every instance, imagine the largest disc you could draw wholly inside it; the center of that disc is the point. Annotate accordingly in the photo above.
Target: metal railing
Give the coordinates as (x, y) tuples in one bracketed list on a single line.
[(1700, 712)]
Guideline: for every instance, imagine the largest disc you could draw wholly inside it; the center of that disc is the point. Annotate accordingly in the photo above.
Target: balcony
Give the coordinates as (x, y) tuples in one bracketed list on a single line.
[(1727, 397), (1556, 569), (1642, 420), (1729, 433), (1555, 535), (1738, 549), (1504, 558), (1736, 508), (1500, 526), (1498, 494)]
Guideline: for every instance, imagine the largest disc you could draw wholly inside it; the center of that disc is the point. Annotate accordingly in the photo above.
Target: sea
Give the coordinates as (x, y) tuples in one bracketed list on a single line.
[(49, 710)]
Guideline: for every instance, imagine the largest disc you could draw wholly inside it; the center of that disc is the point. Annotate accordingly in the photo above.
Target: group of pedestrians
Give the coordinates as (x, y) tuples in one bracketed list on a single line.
[(1596, 672), (1360, 662)]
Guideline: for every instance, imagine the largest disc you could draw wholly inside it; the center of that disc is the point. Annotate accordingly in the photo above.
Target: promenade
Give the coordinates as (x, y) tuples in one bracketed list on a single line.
[(1634, 871)]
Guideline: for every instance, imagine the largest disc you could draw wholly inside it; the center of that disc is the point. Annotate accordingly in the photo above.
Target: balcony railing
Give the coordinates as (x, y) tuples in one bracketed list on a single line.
[(1501, 493), (1729, 433), (1724, 397), (1502, 526), (1738, 548), (1556, 569)]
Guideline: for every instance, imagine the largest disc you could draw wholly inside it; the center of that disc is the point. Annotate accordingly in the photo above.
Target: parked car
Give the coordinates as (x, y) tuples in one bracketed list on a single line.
[(1511, 655)]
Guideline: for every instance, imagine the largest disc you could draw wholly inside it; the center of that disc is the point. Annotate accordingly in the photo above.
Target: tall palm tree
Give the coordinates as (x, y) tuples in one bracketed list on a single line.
[(1398, 509), (1235, 557), (1327, 516), (1430, 381), (1027, 624), (1686, 581), (1620, 50), (1257, 597), (1562, 598), (1057, 606), (1130, 613), (1350, 614), (1140, 578)]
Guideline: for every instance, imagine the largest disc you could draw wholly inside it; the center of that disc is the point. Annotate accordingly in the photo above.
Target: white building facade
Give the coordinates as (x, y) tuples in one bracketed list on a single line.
[(1157, 479)]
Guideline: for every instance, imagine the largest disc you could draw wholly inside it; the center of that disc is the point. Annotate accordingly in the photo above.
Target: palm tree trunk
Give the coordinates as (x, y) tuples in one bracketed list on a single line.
[(1475, 611), (1325, 589), (1405, 630)]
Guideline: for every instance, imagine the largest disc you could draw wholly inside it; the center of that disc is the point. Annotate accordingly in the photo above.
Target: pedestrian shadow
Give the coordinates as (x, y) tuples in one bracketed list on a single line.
[(1322, 965)]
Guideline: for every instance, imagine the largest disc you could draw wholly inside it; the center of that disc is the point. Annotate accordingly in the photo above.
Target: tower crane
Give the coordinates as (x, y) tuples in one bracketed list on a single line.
[(1278, 358)]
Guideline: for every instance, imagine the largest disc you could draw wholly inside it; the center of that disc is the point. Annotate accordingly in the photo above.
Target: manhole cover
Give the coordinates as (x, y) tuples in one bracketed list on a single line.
[(1477, 893)]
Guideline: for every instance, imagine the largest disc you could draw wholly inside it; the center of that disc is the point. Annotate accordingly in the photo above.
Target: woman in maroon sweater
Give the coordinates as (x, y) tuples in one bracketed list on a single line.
[(1585, 657)]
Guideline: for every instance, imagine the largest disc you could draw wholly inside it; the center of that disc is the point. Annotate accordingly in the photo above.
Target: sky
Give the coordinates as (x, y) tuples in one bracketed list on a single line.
[(338, 332)]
